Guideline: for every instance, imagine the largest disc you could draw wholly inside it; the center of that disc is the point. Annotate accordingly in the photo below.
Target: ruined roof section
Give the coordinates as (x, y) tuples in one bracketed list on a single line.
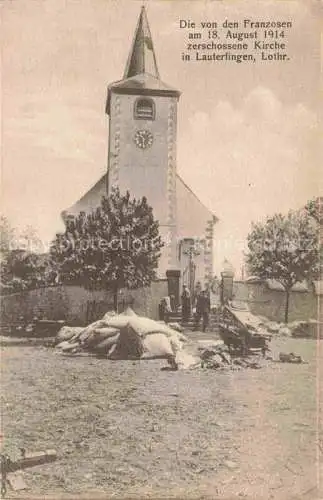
[(141, 76), (142, 56)]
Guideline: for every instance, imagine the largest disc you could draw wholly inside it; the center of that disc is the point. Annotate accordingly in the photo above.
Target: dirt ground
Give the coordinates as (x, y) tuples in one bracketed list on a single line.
[(129, 429)]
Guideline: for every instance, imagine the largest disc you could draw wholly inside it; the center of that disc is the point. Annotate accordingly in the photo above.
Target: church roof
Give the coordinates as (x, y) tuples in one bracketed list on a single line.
[(142, 56), (141, 75), (92, 199), (181, 182)]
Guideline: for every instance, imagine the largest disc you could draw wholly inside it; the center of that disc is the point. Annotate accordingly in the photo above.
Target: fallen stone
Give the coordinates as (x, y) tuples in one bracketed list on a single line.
[(16, 481), (289, 358)]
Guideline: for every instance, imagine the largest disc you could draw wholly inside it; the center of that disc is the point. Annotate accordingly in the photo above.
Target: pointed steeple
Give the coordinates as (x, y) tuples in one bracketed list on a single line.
[(141, 76), (142, 56)]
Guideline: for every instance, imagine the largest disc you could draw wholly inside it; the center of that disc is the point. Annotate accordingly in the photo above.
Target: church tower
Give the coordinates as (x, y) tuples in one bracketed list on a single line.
[(142, 138)]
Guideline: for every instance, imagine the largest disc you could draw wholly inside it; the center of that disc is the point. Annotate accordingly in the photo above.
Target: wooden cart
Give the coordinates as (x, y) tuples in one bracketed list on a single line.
[(241, 331)]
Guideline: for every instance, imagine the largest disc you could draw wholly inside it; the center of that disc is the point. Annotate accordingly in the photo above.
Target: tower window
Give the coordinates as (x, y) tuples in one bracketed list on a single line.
[(144, 109)]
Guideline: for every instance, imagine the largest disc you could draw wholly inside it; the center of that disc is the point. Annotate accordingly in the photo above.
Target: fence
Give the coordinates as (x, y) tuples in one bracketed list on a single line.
[(77, 305)]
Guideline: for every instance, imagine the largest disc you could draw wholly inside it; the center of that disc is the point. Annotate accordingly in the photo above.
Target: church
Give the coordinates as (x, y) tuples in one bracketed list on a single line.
[(142, 112)]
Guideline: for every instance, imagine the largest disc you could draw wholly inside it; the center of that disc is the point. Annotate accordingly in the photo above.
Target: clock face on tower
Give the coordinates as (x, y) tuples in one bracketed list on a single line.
[(143, 139)]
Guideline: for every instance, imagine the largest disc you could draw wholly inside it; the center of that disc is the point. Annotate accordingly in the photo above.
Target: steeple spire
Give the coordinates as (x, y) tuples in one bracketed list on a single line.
[(142, 56)]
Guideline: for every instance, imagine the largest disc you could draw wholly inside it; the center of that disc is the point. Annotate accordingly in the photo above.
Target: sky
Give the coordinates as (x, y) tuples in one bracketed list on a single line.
[(249, 135)]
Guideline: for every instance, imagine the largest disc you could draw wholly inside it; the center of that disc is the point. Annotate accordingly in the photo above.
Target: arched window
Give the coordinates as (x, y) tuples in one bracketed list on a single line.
[(144, 109)]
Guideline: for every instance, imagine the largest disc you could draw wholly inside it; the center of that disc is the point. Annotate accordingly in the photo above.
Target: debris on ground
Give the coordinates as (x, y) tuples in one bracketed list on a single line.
[(241, 331), (129, 336), (218, 356), (123, 336), (300, 329), (290, 358), (11, 469), (305, 329)]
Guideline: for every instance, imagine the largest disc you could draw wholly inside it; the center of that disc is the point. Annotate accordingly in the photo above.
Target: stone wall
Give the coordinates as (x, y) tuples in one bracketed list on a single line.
[(76, 305), (271, 303)]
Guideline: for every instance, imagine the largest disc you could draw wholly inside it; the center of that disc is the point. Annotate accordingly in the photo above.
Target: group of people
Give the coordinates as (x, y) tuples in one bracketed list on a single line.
[(202, 304), (200, 301)]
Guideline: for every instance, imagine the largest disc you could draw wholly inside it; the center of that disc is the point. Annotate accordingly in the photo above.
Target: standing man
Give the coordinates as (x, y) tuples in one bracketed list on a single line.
[(203, 307), (186, 304), (196, 293)]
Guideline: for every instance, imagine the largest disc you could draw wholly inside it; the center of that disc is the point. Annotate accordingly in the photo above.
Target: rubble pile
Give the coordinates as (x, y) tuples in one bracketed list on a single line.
[(218, 357), (123, 336), (279, 329), (244, 341), (290, 358), (306, 329), (301, 329)]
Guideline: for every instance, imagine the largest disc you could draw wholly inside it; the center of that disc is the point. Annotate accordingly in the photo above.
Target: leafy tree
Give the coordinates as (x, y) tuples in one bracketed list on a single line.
[(7, 236), (284, 248), (22, 269), (7, 243), (116, 246), (30, 241), (314, 208)]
